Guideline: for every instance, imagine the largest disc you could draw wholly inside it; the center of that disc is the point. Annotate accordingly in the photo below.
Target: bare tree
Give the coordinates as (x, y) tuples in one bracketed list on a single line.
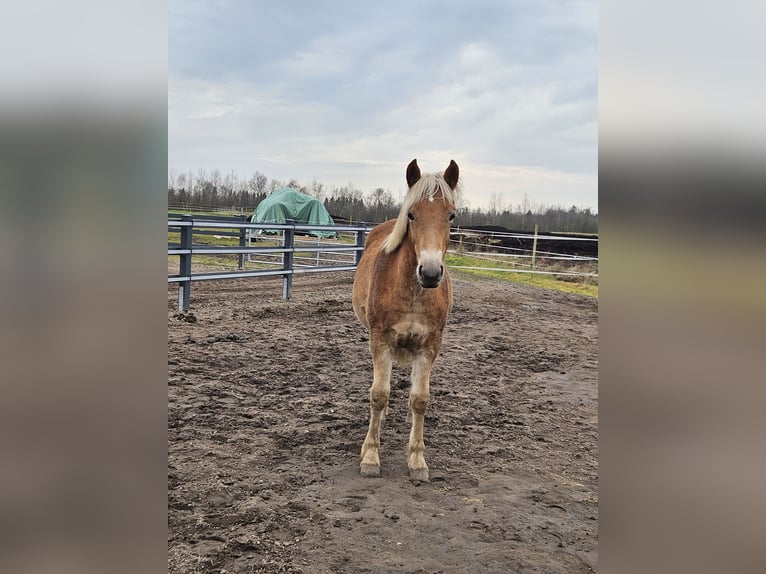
[(317, 189), (181, 182), (375, 202), (274, 185), (294, 184), (257, 183), (496, 204)]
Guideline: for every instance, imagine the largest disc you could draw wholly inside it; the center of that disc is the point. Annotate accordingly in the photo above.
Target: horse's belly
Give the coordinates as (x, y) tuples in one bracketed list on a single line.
[(410, 327), (410, 341), (407, 339)]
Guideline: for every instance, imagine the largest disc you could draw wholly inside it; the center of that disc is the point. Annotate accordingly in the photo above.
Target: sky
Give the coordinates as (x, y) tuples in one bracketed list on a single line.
[(350, 92)]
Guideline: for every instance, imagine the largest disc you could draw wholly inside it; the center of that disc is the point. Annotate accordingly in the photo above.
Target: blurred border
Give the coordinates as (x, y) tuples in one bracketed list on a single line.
[(83, 142), (682, 182)]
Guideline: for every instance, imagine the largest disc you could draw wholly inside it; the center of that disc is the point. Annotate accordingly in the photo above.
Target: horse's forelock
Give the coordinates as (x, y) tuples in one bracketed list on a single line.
[(425, 188)]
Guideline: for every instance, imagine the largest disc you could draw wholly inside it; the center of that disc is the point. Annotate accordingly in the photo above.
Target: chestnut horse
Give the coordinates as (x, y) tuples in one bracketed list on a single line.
[(402, 294)]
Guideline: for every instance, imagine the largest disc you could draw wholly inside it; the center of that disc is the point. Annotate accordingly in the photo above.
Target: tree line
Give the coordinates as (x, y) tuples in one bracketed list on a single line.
[(212, 191)]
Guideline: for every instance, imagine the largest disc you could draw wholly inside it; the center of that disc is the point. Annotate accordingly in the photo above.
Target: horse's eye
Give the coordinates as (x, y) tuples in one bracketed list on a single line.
[(452, 217), (410, 216)]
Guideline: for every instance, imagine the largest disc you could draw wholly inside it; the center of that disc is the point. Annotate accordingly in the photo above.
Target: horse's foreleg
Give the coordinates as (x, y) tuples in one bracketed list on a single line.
[(381, 387), (419, 393)]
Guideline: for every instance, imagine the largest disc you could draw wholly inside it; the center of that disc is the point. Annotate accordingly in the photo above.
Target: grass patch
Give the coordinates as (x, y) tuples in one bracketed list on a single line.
[(583, 285)]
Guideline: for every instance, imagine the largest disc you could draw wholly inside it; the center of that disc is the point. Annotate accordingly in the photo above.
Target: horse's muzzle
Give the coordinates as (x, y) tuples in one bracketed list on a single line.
[(430, 276)]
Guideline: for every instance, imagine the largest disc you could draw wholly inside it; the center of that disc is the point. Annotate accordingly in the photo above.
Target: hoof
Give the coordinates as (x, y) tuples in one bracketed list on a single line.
[(420, 474), (370, 470)]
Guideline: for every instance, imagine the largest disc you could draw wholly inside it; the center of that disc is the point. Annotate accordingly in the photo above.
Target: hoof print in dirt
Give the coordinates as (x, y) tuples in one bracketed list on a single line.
[(231, 337), (419, 476), (370, 470)]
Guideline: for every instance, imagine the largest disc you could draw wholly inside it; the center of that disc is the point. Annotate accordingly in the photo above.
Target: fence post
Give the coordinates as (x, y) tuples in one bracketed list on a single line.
[(184, 287), (360, 236), (534, 247), (242, 242), (287, 258)]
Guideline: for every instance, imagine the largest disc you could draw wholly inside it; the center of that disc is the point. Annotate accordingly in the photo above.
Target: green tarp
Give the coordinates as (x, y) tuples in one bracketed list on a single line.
[(288, 203)]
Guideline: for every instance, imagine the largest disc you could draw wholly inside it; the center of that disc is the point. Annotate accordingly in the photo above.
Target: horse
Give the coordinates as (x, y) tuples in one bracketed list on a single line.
[(402, 294)]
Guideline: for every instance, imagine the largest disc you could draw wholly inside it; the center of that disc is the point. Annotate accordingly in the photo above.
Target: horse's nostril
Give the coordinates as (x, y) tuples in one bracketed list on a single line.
[(441, 269), (420, 270)]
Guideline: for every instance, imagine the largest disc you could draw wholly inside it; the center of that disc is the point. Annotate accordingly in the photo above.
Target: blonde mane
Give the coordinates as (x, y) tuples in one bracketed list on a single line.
[(425, 188)]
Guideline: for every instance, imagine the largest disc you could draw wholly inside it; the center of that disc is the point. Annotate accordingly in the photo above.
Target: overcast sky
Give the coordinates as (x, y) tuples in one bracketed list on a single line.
[(346, 91)]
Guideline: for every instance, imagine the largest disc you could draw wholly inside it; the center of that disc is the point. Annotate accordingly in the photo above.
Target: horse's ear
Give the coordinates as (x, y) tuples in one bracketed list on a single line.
[(413, 173), (451, 174)]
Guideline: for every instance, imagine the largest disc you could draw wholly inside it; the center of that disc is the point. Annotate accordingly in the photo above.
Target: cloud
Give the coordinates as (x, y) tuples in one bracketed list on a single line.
[(508, 90)]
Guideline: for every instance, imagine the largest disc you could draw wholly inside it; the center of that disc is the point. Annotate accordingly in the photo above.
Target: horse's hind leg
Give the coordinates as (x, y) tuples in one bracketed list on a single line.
[(381, 388), (419, 393)]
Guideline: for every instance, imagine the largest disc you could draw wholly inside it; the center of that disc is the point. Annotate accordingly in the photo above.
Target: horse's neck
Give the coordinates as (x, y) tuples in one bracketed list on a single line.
[(406, 262)]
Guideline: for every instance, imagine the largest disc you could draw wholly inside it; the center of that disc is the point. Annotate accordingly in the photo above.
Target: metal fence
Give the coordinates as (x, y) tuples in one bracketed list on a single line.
[(286, 259), (287, 256), (525, 259)]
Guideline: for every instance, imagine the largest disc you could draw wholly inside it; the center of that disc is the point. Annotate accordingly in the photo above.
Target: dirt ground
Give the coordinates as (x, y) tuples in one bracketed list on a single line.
[(268, 408)]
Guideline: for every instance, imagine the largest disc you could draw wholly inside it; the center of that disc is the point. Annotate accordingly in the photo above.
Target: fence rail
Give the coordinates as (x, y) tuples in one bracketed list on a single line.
[(290, 257), (239, 227)]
